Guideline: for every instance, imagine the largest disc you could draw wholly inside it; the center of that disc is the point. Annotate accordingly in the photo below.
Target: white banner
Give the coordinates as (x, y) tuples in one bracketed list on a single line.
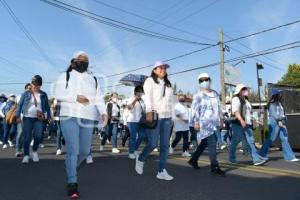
[(232, 75)]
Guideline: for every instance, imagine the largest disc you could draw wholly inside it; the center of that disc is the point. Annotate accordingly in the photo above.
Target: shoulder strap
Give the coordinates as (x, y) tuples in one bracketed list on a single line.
[(96, 81), (164, 90)]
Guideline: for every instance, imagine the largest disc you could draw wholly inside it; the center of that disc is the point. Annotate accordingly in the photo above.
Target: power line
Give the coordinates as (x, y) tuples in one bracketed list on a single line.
[(193, 52), (247, 47), (244, 57), (25, 31), (118, 24)]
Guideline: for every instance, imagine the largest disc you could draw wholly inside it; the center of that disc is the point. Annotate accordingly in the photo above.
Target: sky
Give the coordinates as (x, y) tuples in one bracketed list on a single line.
[(60, 33)]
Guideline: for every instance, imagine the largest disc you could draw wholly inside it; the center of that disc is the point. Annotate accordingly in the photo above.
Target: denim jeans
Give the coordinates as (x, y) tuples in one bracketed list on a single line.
[(211, 143), (162, 131), (6, 132), (135, 129), (193, 136), (78, 134), (59, 135), (1, 129), (226, 137), (35, 127), (237, 133), (19, 137), (274, 130), (220, 140), (111, 130), (185, 136)]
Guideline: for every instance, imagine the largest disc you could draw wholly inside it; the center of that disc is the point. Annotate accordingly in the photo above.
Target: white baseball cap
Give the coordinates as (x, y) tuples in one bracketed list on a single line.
[(238, 88), (203, 75), (160, 63), (79, 53)]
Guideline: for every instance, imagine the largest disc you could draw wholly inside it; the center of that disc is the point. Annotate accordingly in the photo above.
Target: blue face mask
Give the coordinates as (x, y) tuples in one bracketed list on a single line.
[(205, 85)]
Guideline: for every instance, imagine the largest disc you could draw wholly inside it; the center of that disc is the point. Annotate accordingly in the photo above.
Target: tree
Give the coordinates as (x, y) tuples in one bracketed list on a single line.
[(292, 77)]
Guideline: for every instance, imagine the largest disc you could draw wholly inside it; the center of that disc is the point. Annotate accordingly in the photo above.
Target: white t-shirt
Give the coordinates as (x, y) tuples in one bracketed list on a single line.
[(115, 110), (181, 122), (32, 109), (236, 106), (135, 114)]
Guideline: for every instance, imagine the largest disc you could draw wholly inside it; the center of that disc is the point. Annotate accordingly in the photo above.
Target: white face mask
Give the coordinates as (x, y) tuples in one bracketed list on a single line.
[(205, 85)]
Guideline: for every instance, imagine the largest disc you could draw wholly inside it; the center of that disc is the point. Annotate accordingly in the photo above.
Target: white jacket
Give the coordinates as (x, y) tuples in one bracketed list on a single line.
[(79, 84), (154, 99)]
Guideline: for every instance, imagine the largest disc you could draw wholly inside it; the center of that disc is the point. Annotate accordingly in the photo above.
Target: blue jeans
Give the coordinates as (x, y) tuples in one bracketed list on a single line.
[(274, 130), (226, 137), (134, 130), (19, 137), (35, 127), (211, 143), (162, 131), (59, 135), (237, 133), (6, 131), (111, 130), (220, 140), (78, 134)]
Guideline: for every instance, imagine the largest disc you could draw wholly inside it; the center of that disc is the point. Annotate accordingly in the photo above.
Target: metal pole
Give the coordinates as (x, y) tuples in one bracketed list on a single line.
[(260, 128), (222, 67)]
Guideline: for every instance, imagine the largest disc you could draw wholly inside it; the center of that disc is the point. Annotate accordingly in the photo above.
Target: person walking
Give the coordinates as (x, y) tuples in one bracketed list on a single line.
[(242, 126), (136, 107), (158, 98), (81, 104), (34, 107), (277, 122), (181, 127), (207, 118)]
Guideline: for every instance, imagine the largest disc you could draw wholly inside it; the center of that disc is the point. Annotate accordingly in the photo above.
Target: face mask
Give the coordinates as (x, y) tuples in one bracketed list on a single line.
[(114, 99), (139, 94), (245, 93), (205, 85), (81, 66), (181, 100), (11, 98)]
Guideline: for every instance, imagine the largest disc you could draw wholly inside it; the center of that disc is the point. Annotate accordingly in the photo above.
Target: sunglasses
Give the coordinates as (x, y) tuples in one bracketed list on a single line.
[(204, 80)]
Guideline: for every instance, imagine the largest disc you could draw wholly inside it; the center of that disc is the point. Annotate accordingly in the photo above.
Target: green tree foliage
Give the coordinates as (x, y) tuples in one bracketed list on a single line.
[(292, 77)]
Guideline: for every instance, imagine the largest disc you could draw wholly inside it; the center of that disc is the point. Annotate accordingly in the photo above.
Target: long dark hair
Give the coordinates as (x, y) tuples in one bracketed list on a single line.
[(155, 77), (274, 99), (68, 72)]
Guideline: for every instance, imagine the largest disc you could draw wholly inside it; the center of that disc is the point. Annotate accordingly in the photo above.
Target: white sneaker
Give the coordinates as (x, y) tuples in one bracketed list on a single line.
[(171, 150), (164, 175), (25, 160), (18, 154), (223, 147), (260, 162), (139, 166), (5, 146), (49, 137), (89, 159), (35, 157), (101, 148), (131, 156), (31, 143), (42, 146), (115, 150), (136, 153), (58, 152), (294, 160), (11, 144), (186, 154), (155, 150), (1, 142)]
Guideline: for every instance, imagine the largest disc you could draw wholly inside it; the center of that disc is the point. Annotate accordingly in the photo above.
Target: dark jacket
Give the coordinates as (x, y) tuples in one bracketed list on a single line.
[(25, 100)]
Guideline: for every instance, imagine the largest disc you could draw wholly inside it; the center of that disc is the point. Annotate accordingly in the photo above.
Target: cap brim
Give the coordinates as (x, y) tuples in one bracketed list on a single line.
[(163, 65)]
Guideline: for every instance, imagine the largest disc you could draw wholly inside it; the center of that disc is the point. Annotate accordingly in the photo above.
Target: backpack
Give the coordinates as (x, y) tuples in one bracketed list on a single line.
[(10, 117)]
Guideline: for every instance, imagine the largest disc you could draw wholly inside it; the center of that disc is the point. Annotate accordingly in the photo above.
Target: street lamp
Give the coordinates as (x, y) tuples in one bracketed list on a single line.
[(259, 84)]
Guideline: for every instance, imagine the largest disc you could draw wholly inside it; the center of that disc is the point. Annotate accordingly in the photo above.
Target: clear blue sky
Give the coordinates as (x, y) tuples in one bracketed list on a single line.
[(60, 34)]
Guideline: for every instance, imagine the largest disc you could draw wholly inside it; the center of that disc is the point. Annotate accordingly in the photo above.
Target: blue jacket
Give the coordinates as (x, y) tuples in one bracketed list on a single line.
[(7, 107), (25, 100)]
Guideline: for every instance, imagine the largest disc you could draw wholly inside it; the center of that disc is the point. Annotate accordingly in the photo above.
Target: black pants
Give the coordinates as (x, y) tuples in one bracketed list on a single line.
[(185, 136)]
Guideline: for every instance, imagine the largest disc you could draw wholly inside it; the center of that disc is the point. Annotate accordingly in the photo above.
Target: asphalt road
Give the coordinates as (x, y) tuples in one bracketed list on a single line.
[(113, 177)]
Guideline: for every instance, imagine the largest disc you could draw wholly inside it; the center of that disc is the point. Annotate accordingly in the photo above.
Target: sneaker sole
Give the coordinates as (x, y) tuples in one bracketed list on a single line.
[(161, 178)]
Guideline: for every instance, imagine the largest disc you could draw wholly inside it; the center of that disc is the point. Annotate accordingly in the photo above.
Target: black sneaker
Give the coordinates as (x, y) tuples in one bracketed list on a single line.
[(217, 171), (193, 164), (72, 190)]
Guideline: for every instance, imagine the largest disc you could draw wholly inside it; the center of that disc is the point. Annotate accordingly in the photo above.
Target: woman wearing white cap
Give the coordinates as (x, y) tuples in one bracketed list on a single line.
[(207, 115), (80, 105), (241, 125), (158, 97)]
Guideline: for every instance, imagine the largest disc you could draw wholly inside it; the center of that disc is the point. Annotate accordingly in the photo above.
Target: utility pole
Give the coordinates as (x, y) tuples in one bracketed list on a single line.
[(222, 49)]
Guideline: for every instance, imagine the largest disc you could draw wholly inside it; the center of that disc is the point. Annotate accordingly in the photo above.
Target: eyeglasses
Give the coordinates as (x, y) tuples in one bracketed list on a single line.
[(204, 80)]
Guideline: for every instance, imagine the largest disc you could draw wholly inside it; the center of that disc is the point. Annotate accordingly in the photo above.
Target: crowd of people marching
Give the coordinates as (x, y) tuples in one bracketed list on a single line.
[(148, 119)]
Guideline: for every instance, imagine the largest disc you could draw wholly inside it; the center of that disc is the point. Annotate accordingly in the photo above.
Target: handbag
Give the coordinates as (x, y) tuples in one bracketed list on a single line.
[(147, 124)]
